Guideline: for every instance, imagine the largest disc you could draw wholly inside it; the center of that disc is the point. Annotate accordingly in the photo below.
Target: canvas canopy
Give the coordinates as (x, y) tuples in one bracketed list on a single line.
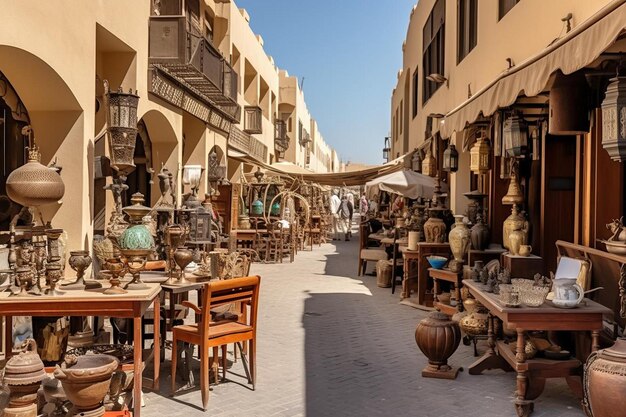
[(407, 183)]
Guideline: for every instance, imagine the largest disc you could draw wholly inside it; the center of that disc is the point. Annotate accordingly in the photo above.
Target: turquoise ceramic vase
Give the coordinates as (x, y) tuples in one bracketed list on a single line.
[(136, 237)]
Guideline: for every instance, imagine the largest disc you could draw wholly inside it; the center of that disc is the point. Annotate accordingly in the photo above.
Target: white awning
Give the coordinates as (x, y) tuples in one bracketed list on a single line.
[(580, 47)]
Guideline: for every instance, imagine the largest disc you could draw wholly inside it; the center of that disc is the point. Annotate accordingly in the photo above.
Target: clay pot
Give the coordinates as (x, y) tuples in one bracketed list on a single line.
[(435, 230), (86, 379), (438, 337), (23, 374), (459, 239), (479, 235), (604, 382)]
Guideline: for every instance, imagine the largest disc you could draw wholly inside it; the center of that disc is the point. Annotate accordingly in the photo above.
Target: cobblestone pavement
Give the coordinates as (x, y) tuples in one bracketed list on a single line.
[(333, 344)]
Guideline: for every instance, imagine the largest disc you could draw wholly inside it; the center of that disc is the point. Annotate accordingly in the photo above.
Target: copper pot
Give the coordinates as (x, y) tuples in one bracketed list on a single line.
[(604, 381), (438, 337)]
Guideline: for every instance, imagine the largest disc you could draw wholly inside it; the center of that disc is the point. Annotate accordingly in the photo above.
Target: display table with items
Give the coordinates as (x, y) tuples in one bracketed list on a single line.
[(532, 373), (81, 303), (419, 281), (453, 304)]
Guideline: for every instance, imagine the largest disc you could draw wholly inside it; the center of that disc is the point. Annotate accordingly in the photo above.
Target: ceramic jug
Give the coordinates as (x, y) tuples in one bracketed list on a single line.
[(567, 293)]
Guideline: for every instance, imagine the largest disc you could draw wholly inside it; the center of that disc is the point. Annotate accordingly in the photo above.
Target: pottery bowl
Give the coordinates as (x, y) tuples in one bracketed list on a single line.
[(437, 262)]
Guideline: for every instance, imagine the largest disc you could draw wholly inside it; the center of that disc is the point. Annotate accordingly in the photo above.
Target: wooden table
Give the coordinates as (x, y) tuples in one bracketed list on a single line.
[(532, 373), (456, 279), (423, 251), (94, 303)]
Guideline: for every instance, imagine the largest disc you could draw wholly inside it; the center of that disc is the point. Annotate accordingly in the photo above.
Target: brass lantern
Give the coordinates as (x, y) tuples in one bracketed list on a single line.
[(515, 134), (450, 159), (429, 165), (121, 111), (480, 161), (614, 119), (416, 161)]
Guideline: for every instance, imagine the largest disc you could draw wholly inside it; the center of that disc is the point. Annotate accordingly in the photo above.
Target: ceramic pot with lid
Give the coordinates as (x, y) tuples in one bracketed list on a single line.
[(23, 374)]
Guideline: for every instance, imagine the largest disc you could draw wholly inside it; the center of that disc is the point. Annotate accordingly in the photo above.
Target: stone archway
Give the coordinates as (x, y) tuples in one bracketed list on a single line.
[(58, 123)]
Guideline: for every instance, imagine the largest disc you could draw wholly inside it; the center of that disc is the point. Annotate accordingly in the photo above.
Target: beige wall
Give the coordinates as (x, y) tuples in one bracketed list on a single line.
[(524, 31)]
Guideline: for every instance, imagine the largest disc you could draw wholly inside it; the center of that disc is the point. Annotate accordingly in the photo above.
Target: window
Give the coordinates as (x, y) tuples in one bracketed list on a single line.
[(467, 22), (434, 48), (504, 6), (415, 92), (401, 116)]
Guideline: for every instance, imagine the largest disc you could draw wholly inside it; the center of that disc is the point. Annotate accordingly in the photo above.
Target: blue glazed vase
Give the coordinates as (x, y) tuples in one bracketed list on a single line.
[(136, 237)]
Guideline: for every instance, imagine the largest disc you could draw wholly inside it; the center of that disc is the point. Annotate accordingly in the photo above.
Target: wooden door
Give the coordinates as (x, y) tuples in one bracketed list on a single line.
[(558, 202)]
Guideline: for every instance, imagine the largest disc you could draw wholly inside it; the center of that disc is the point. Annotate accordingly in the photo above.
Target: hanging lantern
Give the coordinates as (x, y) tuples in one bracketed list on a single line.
[(416, 161), (122, 127), (480, 161), (429, 165), (569, 98), (514, 194), (451, 159), (614, 119), (387, 149), (515, 133)]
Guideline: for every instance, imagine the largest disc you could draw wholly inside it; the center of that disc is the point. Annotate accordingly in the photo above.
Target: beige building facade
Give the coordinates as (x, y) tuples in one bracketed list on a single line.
[(470, 43), (204, 80)]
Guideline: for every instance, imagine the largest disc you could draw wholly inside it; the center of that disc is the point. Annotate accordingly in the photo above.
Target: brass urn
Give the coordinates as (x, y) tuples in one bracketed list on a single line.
[(515, 222), (438, 337)]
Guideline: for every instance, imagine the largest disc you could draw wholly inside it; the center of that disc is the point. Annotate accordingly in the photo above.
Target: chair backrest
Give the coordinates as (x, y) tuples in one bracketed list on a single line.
[(237, 290), (364, 232)]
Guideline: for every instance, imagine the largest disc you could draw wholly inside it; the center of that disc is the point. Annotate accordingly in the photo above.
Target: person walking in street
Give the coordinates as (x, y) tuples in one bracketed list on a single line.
[(335, 202), (351, 201), (363, 207), (346, 210)]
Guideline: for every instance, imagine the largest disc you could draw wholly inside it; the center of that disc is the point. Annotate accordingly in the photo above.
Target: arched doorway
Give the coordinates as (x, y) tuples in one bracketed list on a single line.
[(13, 117), (140, 180)]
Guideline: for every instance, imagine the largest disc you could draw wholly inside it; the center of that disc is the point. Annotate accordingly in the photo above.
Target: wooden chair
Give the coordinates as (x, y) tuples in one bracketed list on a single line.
[(365, 253), (210, 333)]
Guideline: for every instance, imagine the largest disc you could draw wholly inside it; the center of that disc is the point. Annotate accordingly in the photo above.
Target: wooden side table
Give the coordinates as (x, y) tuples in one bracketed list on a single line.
[(420, 282), (522, 266), (532, 373), (456, 279)]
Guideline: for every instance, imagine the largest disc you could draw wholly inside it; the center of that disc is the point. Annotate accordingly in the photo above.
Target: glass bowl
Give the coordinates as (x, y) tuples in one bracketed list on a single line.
[(522, 283), (534, 296), (509, 296)]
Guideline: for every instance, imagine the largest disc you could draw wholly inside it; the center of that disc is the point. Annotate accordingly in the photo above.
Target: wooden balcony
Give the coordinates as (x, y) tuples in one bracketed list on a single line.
[(245, 143), (188, 71), (281, 140), (253, 120)]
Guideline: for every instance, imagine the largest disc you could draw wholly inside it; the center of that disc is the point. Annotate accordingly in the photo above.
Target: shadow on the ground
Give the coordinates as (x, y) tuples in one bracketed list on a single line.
[(361, 358)]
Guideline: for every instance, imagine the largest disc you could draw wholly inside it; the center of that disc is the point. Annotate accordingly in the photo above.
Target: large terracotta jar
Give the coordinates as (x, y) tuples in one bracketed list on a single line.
[(435, 228), (514, 222), (23, 375), (459, 239), (604, 382), (86, 381), (438, 337)]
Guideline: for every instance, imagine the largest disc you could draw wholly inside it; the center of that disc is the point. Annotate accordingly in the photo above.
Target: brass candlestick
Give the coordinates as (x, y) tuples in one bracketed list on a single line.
[(116, 269), (135, 263)]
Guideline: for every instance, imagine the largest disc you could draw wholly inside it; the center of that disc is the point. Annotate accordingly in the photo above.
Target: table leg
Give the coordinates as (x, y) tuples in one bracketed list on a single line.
[(435, 290), (595, 340), (405, 281), (157, 343), (8, 337), (523, 406), (137, 365), (173, 299), (457, 292), (491, 359)]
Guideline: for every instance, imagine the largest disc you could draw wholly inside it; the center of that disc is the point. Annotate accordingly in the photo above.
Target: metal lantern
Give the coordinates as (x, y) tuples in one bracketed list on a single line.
[(416, 161), (569, 102), (614, 119), (387, 150), (192, 175), (515, 133), (451, 159), (429, 165), (480, 161), (258, 174), (122, 127)]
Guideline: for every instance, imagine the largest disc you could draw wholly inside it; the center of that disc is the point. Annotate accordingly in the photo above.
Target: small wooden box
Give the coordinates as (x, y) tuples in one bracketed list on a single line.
[(522, 266)]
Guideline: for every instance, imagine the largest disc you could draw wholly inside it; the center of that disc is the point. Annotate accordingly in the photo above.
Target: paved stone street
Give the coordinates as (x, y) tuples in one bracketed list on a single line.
[(332, 344)]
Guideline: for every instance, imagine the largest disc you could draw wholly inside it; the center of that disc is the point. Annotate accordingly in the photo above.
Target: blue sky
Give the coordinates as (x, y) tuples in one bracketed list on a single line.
[(349, 52)]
